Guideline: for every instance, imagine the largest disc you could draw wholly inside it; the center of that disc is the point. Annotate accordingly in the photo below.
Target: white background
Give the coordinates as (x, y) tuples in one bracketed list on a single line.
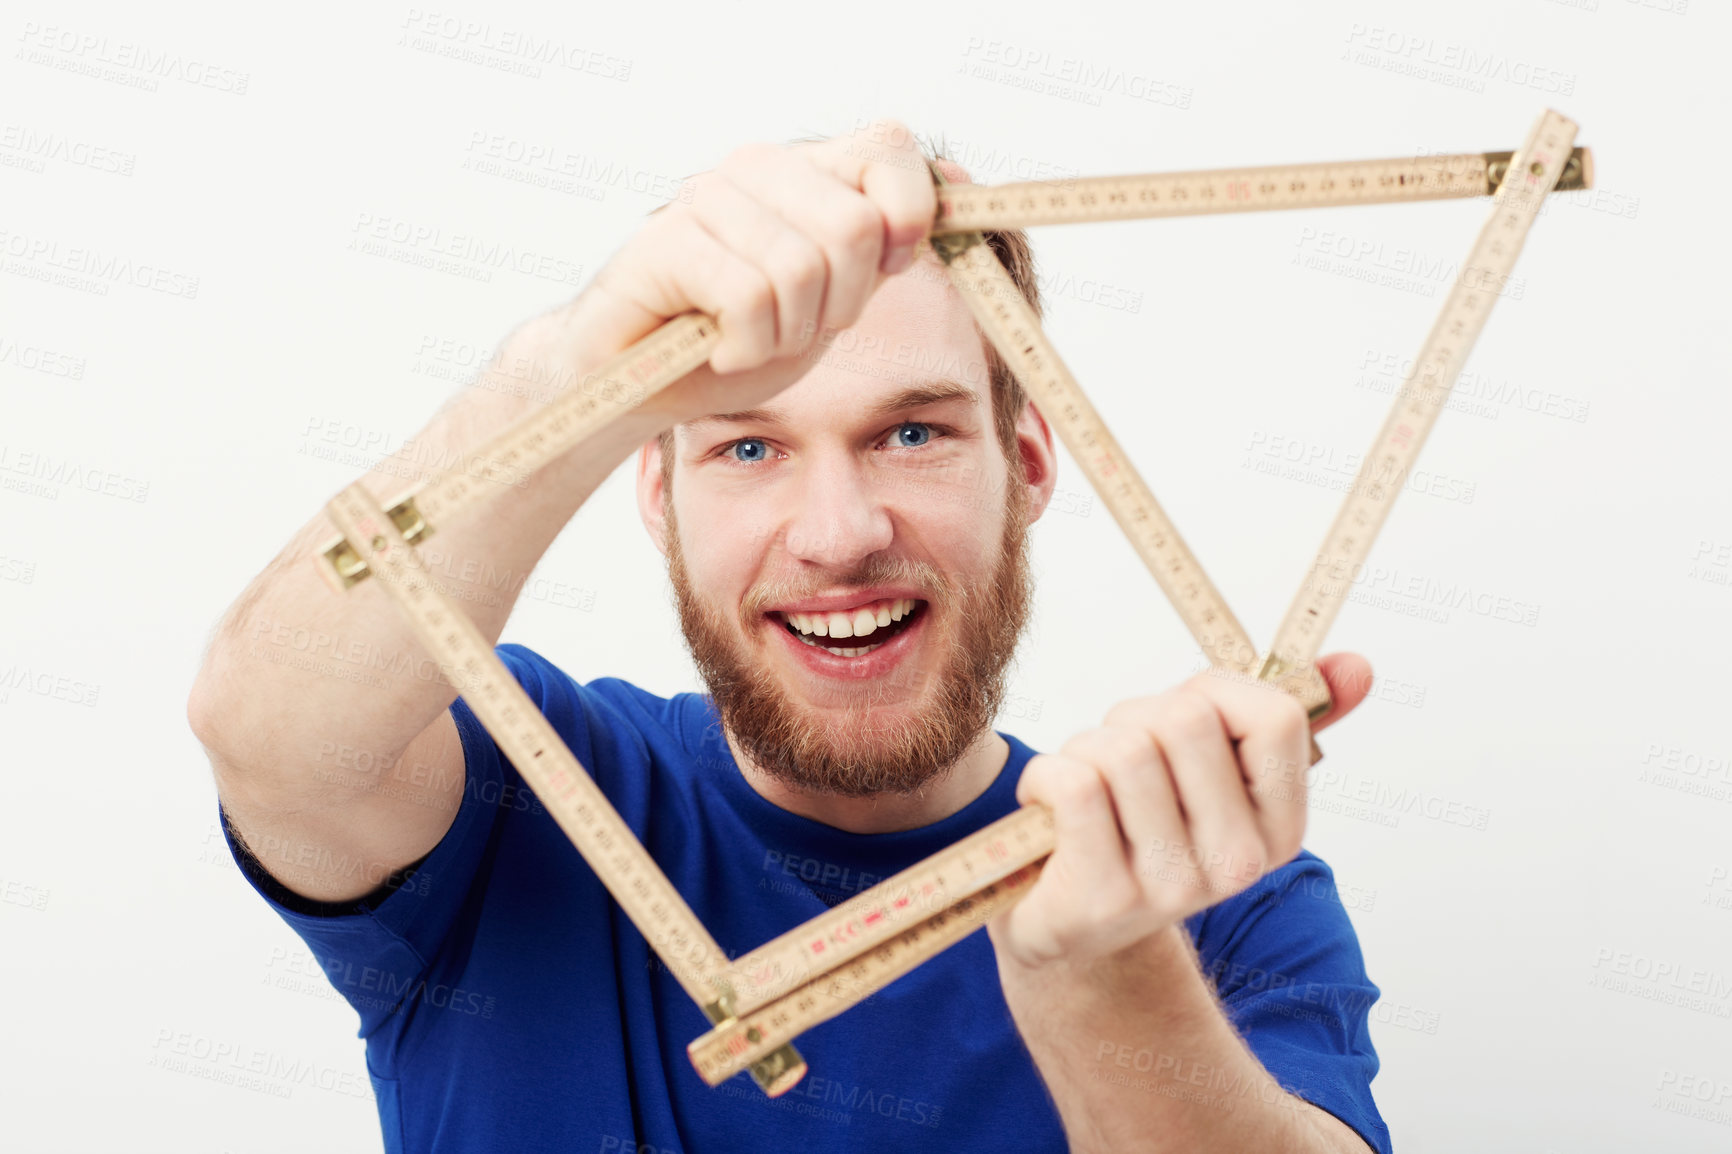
[(1559, 979)]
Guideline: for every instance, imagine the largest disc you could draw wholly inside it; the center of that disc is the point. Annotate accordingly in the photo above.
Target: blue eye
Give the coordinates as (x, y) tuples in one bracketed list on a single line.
[(749, 443), (920, 427)]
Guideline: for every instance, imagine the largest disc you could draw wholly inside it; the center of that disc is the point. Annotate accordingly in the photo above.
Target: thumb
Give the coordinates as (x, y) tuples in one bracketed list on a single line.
[(1349, 678)]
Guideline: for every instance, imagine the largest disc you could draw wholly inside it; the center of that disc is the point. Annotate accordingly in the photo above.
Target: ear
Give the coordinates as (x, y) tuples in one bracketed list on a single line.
[(1039, 460), (649, 492)]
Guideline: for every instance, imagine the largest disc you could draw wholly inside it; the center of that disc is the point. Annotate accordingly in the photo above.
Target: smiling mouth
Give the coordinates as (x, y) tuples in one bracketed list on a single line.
[(856, 632)]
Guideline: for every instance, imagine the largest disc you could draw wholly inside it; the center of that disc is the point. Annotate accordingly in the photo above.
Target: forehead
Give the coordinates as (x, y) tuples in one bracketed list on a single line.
[(918, 306)]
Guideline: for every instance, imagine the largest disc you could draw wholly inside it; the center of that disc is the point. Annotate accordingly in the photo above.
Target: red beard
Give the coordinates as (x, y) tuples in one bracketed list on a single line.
[(868, 747)]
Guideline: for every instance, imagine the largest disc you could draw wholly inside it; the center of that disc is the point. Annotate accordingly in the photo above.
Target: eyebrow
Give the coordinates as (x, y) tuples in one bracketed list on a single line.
[(931, 393)]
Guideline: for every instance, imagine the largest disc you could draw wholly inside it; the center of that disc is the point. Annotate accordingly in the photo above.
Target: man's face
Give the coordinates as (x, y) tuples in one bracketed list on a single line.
[(850, 568)]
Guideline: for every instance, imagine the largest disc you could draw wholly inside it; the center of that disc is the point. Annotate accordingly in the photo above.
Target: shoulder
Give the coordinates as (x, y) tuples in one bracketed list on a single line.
[(547, 684), (608, 718), (1289, 924)]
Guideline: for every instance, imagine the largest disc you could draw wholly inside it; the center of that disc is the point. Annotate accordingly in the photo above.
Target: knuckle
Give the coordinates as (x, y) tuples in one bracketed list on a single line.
[(857, 230), (797, 263), (750, 294), (1127, 744), (1079, 786), (1187, 713)]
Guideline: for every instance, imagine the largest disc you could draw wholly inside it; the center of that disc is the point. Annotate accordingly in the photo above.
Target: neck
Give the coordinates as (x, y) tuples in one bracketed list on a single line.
[(888, 812)]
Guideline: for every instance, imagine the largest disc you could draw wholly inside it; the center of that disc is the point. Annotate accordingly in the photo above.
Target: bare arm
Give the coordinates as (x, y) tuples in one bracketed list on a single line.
[(1199, 1088), (325, 720), (1180, 800)]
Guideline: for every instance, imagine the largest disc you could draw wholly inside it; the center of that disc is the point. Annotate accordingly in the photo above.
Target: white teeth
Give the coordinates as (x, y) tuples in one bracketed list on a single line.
[(856, 623)]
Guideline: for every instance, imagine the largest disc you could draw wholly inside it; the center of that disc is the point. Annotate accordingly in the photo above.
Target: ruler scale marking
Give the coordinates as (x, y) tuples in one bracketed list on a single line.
[(1083, 200)]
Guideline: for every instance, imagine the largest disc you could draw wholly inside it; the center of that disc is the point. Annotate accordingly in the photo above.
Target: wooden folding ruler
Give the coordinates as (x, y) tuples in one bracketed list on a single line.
[(763, 1000)]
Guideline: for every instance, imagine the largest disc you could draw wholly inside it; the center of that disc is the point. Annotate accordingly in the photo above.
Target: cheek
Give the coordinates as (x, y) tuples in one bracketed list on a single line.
[(721, 559), (965, 524)]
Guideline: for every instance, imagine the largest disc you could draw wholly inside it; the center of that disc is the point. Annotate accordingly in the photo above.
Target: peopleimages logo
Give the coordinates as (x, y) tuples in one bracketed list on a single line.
[(474, 257), (90, 270), (1454, 65), (504, 48), (1066, 77), (134, 65)]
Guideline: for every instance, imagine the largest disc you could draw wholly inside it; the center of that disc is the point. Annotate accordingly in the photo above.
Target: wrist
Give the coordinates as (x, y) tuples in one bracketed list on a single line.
[(559, 351), (1155, 957)]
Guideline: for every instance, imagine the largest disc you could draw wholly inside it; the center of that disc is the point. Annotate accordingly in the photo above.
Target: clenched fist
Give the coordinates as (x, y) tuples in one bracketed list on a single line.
[(777, 243), (1174, 803)]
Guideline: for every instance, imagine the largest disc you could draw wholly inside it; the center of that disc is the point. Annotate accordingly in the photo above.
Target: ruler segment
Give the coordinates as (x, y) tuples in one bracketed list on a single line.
[(735, 1044), (1536, 169), (970, 208), (570, 795), (1009, 322), (877, 915), (619, 385)]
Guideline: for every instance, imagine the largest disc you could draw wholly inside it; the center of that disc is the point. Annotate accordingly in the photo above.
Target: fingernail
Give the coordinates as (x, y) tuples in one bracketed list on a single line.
[(898, 259)]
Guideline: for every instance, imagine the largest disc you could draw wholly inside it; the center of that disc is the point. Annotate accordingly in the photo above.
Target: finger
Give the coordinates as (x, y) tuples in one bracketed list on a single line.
[(844, 224), (717, 281), (1086, 887), (794, 266), (884, 161), (1349, 677), (1212, 789), (1162, 857), (1273, 741)]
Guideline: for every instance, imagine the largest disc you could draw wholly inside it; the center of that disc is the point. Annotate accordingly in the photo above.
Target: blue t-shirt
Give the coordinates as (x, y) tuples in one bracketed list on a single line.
[(508, 1004)]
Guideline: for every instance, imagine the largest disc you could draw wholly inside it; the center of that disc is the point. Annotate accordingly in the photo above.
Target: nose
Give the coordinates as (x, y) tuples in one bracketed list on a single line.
[(838, 519)]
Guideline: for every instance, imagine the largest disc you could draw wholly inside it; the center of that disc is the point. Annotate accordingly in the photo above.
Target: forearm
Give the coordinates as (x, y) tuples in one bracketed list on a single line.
[(1138, 1055), (296, 664)]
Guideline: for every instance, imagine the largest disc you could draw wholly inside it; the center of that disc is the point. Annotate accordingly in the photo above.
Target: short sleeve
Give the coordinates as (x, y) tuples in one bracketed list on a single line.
[(1287, 967), (377, 951)]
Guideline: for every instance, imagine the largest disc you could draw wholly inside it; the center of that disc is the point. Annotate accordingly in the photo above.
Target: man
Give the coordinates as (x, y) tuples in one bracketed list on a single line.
[(849, 564)]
